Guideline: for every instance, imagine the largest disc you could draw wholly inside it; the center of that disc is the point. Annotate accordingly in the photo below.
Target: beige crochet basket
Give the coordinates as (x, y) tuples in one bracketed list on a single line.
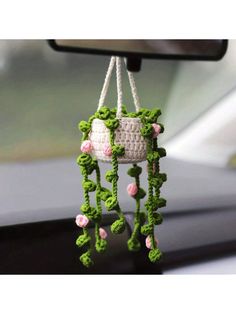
[(128, 133)]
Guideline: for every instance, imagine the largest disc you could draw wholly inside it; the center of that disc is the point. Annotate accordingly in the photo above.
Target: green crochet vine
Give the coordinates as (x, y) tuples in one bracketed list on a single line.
[(144, 219)]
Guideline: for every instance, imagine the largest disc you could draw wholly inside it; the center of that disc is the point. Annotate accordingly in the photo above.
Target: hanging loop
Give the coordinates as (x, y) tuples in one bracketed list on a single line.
[(117, 61)]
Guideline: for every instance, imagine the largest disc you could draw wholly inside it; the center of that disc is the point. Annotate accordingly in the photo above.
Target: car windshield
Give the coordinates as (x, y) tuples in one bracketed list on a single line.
[(44, 94)]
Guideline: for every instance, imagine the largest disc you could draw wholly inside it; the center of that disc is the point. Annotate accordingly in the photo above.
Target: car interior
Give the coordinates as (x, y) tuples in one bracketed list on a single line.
[(48, 86)]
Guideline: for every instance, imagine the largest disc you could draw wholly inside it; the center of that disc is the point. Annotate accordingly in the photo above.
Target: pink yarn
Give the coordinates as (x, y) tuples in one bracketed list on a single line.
[(149, 243), (86, 146), (102, 233), (107, 150), (132, 189), (81, 221), (156, 130)]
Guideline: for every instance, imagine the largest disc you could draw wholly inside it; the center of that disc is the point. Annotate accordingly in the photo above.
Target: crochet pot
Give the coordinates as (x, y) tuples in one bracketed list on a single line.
[(128, 135), (117, 136)]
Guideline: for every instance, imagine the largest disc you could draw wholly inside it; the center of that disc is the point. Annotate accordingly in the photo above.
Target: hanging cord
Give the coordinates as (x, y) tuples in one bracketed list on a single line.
[(106, 83), (119, 87), (133, 89)]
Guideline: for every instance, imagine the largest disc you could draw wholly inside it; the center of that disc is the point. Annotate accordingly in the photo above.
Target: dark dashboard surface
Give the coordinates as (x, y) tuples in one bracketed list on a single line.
[(185, 238)]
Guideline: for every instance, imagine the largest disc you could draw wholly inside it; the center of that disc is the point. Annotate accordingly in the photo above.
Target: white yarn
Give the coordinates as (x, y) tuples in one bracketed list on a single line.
[(119, 87), (106, 83), (127, 134), (134, 91)]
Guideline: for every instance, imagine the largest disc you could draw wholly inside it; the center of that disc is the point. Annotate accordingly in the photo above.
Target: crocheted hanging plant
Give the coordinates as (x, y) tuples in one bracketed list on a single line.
[(117, 136)]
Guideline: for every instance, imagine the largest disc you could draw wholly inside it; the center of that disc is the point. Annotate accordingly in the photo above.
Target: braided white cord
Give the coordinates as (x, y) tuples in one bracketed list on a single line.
[(133, 90), (119, 87), (106, 83)]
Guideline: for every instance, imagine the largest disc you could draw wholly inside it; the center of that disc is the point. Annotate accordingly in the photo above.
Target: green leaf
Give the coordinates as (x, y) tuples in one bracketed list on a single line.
[(154, 255), (147, 130), (112, 124), (118, 150), (118, 226), (84, 159), (146, 229), (157, 218), (133, 245), (103, 113), (101, 245), (111, 203), (105, 194), (153, 115), (134, 171), (141, 194), (162, 127), (163, 177), (86, 259), (159, 202), (161, 151), (111, 175), (84, 126), (89, 185), (82, 240), (93, 214)]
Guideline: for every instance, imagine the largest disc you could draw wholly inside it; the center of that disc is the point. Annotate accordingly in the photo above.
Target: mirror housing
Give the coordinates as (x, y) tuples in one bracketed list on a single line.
[(136, 50)]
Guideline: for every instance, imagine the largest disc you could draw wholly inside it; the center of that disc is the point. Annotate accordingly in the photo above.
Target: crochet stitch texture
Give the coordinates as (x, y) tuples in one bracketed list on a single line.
[(132, 145)]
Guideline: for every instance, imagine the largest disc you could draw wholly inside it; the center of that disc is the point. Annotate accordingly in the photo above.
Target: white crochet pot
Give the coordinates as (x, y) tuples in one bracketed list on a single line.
[(127, 134)]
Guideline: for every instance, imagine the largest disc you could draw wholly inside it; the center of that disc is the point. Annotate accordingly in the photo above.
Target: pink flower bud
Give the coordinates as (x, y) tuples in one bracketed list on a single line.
[(86, 146), (81, 221), (107, 151), (102, 233), (156, 130), (132, 189), (149, 243)]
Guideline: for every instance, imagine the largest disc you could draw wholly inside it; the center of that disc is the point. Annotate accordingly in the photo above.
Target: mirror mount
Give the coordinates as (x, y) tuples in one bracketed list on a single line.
[(133, 64)]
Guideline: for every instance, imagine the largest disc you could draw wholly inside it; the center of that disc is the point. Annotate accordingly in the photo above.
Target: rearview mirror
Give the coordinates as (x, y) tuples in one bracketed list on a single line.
[(135, 50)]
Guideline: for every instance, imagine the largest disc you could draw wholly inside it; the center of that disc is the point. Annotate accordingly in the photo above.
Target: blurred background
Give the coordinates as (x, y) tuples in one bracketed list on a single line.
[(43, 96), (45, 93)]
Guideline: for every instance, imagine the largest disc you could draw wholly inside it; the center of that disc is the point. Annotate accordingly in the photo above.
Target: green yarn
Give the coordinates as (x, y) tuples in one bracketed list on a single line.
[(118, 150), (134, 171), (157, 218), (144, 222), (140, 194), (111, 203), (103, 113), (89, 185), (112, 124), (147, 229), (155, 255), (118, 226), (161, 151), (82, 240), (84, 126), (105, 194), (147, 130), (153, 115), (101, 245), (111, 175), (86, 259), (84, 160), (140, 217)]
